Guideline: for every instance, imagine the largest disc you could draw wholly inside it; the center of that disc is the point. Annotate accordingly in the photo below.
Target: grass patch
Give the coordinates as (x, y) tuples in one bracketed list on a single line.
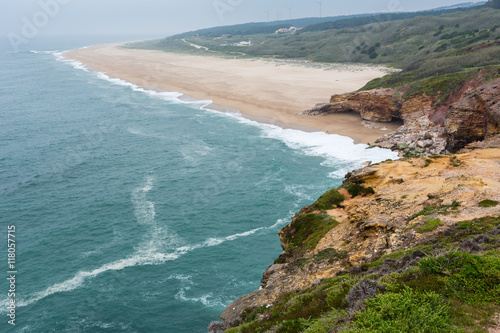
[(488, 203), (300, 311), (307, 230), (355, 190), (472, 279), (331, 255), (478, 226), (429, 210), (429, 225), (444, 292), (440, 85), (406, 311), (329, 200)]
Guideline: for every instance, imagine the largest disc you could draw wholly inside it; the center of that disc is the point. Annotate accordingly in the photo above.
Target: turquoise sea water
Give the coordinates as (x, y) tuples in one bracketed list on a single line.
[(134, 211)]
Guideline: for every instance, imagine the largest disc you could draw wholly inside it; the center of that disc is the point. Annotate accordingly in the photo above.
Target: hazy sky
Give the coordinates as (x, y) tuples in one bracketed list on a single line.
[(164, 17)]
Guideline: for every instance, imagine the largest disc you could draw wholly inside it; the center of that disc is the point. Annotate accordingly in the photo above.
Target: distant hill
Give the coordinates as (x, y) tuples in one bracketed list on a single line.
[(449, 45), (385, 17), (462, 5), (493, 4), (316, 23), (261, 27)]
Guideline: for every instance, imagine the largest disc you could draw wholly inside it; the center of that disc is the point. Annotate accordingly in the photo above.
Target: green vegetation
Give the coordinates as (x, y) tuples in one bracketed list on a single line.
[(439, 51), (308, 229), (437, 286), (331, 255), (488, 203), (477, 226), (355, 190), (329, 200), (406, 311), (429, 225), (493, 4), (455, 162), (293, 312), (428, 210)]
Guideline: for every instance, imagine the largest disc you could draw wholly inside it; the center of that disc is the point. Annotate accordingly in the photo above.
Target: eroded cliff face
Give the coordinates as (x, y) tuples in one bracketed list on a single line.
[(430, 125), (380, 209), (475, 116), (390, 210)]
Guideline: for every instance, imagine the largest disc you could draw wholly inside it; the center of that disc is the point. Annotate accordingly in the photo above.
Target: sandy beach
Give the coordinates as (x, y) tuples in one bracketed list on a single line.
[(262, 90)]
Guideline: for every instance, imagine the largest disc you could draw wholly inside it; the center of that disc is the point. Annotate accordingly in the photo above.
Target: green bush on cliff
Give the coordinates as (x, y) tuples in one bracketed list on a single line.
[(470, 278), (429, 225), (488, 203), (355, 190), (441, 85), (446, 290), (308, 230), (329, 200), (406, 311), (299, 311)]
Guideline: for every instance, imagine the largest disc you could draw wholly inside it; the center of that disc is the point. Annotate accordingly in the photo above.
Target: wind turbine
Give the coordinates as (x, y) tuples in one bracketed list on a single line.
[(290, 12), (320, 3)]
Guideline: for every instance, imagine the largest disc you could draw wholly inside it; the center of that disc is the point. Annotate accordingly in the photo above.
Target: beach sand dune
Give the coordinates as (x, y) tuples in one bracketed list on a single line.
[(266, 91)]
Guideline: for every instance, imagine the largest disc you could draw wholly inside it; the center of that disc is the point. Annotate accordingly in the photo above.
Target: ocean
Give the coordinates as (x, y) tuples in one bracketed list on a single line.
[(135, 211)]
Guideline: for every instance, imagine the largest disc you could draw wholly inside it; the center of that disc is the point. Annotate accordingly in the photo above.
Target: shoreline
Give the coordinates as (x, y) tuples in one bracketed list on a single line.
[(254, 89)]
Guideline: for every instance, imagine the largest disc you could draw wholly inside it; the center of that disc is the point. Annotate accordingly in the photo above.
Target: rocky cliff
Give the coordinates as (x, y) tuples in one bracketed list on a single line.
[(432, 124), (399, 229), (410, 245)]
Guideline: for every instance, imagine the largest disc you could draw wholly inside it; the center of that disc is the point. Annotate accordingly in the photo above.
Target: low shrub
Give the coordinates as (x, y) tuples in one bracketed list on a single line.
[(355, 190), (408, 311), (329, 200), (488, 203), (429, 225), (308, 229)]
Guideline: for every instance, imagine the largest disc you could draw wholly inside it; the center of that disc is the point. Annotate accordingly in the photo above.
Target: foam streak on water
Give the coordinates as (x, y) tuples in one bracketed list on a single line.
[(148, 253), (333, 148)]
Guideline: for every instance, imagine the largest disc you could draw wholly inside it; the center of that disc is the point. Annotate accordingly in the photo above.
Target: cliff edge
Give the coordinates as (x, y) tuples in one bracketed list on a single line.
[(435, 121), (412, 243)]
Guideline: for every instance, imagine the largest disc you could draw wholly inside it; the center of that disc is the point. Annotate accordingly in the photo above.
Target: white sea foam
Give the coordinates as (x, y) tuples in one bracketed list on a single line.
[(243, 234), (90, 326), (42, 52), (164, 95), (155, 250), (144, 209), (300, 191), (143, 258), (339, 152), (180, 277), (75, 64), (147, 135), (208, 300)]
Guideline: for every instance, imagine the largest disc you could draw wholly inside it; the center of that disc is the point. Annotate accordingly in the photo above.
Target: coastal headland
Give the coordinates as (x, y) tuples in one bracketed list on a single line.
[(409, 245), (262, 90)]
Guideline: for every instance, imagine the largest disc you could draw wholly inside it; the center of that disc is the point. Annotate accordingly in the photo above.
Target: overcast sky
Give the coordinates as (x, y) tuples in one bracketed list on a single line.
[(165, 17)]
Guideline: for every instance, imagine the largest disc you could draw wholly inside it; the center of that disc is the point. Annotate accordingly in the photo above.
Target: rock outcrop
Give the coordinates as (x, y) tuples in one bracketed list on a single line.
[(475, 116), (430, 126), (379, 105), (385, 209), (392, 208)]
